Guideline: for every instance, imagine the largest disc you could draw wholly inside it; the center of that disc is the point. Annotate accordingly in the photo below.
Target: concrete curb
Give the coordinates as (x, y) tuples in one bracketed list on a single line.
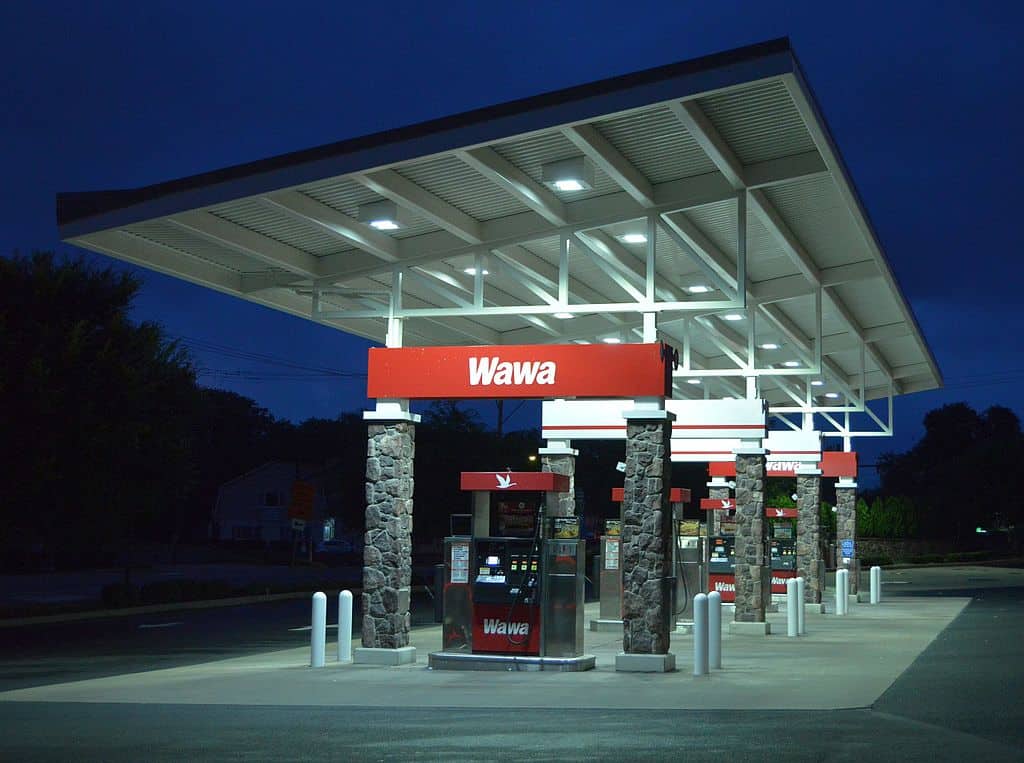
[(95, 614)]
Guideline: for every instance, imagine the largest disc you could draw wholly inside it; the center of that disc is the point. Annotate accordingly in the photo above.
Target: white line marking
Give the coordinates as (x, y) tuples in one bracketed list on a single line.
[(159, 625), (310, 627)]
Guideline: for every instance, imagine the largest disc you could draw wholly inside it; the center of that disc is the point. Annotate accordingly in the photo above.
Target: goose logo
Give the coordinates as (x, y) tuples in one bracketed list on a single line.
[(505, 481), (780, 513), (728, 504)]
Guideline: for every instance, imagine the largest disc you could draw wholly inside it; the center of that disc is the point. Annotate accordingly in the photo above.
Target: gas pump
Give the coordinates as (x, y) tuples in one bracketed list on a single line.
[(722, 548), (691, 549), (514, 594), (506, 596), (782, 546)]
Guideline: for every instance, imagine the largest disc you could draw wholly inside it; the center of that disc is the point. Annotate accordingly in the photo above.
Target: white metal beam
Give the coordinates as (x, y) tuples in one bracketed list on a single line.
[(334, 223), (248, 242), (495, 167), (708, 138), (612, 162), (406, 193)]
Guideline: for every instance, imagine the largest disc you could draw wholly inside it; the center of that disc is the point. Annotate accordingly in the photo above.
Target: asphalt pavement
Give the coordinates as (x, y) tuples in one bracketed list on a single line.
[(961, 695)]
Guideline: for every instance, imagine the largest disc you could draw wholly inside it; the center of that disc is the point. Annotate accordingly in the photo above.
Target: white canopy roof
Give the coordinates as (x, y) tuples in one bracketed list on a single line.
[(723, 164)]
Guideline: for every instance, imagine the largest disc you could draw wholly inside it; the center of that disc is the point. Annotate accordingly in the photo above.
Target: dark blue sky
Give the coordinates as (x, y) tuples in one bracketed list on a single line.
[(924, 99)]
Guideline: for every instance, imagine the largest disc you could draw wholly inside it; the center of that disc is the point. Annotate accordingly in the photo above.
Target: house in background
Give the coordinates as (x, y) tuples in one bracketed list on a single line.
[(254, 505)]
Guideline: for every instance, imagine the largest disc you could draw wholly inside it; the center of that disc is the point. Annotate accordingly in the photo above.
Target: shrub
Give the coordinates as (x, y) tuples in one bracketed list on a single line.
[(871, 560), (161, 592)]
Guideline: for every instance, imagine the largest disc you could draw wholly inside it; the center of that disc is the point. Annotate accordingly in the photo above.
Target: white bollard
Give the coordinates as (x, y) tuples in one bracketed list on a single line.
[(318, 633), (846, 591), (801, 611), (841, 589), (700, 634), (345, 626), (792, 608), (876, 584), (715, 630)]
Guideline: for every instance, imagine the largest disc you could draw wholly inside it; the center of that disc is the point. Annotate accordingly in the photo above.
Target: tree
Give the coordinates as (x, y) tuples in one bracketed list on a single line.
[(960, 474), (97, 409)]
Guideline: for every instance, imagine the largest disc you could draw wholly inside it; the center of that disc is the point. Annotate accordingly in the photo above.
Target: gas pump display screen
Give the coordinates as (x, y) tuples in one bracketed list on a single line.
[(492, 561)]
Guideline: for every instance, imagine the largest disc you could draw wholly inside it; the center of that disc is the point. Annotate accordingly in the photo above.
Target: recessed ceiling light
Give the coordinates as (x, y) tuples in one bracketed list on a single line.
[(817, 383), (383, 214), (732, 317), (611, 340), (693, 381), (564, 316), (633, 238), (792, 364), (471, 271), (568, 185), (769, 346), (698, 289), (832, 395), (573, 174)]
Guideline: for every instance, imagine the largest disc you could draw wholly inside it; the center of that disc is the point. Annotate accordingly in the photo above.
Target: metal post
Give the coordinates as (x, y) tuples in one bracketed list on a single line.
[(715, 630), (345, 626), (792, 608), (801, 612), (876, 584), (700, 634), (318, 633)]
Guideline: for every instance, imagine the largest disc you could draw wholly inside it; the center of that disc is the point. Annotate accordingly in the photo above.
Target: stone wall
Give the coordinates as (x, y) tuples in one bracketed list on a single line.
[(560, 504), (647, 539), (753, 584), (387, 554), (715, 517), (808, 535), (846, 527)]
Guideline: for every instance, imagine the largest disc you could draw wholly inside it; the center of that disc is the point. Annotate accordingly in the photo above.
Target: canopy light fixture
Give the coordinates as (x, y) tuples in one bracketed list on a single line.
[(698, 289), (693, 381), (633, 238), (382, 215), (817, 383), (792, 364), (612, 340), (769, 346), (732, 317), (573, 174), (564, 316), (471, 271), (831, 395)]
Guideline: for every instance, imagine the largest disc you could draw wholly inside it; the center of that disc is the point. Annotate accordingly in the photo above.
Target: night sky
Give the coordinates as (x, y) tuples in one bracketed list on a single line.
[(924, 100)]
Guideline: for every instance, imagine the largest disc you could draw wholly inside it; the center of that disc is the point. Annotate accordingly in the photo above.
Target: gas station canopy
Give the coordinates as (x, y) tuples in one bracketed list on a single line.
[(702, 203)]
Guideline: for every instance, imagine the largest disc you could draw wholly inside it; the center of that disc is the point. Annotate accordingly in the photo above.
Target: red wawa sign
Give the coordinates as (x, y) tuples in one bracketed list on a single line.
[(833, 464), (518, 371)]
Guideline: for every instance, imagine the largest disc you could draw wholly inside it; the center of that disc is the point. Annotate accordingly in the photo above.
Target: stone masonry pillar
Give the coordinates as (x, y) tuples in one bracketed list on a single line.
[(716, 491), (808, 532), (846, 527), (559, 458), (647, 544), (387, 552), (753, 578)]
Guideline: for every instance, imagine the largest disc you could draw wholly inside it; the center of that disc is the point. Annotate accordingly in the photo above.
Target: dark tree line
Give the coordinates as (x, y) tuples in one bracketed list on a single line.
[(961, 474)]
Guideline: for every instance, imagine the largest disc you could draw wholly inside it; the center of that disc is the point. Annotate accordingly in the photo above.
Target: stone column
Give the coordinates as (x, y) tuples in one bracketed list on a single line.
[(753, 575), (846, 527), (808, 532), (647, 544), (387, 553), (559, 458), (716, 491)]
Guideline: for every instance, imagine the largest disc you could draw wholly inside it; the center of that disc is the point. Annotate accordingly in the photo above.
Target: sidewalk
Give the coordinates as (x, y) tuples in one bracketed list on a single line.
[(843, 662)]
